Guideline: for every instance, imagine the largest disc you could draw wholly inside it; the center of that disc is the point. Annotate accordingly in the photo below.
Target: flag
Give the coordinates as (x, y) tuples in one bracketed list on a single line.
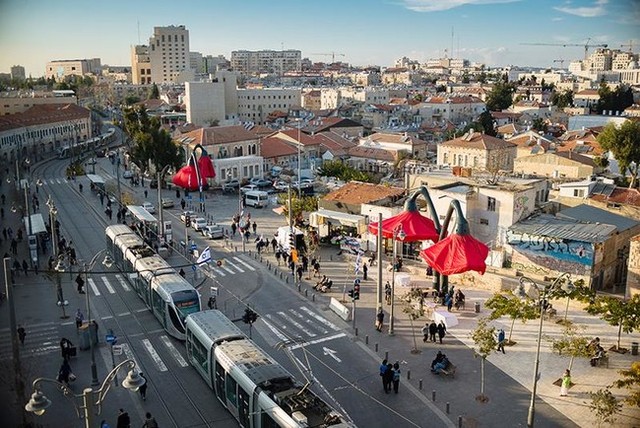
[(205, 257)]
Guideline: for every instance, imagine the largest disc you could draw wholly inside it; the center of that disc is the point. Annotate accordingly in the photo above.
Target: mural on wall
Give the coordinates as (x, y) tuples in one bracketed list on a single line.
[(565, 250), (520, 207)]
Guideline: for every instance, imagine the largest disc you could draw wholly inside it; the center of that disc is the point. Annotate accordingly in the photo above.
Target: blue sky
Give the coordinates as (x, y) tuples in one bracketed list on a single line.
[(367, 32)]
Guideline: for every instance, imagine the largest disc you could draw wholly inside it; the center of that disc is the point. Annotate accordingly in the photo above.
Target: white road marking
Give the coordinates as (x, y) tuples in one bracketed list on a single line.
[(313, 342), (297, 324), (124, 314), (219, 272), (141, 310), (129, 354), (239, 260), (122, 282), (93, 287), (307, 320), (109, 287), (154, 355), (227, 269), (173, 351), (59, 181), (236, 267), (331, 353), (108, 317), (275, 331), (324, 321)]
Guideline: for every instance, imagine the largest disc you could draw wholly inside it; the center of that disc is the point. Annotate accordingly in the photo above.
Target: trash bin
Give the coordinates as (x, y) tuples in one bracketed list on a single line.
[(477, 306), (634, 348), (87, 332)]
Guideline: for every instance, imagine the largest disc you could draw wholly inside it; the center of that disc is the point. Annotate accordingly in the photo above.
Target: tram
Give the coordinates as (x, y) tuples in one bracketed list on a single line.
[(168, 295), (251, 385)]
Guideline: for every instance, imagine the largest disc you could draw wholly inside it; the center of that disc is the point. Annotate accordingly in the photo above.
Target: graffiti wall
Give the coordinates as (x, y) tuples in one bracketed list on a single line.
[(564, 251)]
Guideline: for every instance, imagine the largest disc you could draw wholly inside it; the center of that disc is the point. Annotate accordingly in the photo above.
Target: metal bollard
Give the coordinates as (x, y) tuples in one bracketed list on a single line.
[(366, 339), (299, 287), (420, 384), (376, 346), (236, 249), (386, 355), (459, 421), (408, 374), (313, 297), (306, 292), (448, 408), (356, 331), (433, 395)]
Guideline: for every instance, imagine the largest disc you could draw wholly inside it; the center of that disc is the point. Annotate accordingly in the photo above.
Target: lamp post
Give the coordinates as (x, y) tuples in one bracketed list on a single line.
[(161, 177), (398, 233), (53, 211), (108, 262), (299, 178), (17, 367), (91, 399), (543, 292)]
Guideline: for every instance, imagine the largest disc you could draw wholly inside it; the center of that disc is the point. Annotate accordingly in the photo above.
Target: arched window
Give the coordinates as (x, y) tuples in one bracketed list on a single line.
[(222, 153), (237, 151)]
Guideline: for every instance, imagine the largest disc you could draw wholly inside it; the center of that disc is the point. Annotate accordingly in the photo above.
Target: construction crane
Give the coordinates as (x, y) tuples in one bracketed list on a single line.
[(586, 46), (331, 54), (629, 45)]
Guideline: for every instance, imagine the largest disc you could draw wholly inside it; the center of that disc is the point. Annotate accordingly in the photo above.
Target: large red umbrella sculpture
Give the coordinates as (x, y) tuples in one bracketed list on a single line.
[(416, 226), (194, 175)]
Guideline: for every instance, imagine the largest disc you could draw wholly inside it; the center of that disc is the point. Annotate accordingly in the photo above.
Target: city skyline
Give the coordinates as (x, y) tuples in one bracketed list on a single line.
[(366, 32)]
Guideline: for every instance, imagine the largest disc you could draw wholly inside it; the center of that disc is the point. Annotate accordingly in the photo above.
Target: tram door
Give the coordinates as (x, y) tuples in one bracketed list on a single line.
[(220, 383)]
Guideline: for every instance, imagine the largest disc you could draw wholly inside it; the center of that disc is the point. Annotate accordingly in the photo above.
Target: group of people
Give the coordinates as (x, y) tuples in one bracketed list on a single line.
[(596, 351), (324, 285), (430, 330), (390, 374), (440, 363)]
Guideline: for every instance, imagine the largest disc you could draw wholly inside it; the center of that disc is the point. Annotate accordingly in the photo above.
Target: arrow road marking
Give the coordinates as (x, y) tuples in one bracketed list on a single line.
[(331, 353)]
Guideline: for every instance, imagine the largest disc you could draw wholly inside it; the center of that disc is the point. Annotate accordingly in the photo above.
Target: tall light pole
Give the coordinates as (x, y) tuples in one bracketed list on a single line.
[(17, 367), (161, 177), (543, 292), (398, 233), (53, 211)]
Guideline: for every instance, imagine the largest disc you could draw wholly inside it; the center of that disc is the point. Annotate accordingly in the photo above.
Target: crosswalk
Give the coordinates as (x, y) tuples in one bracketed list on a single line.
[(41, 339)]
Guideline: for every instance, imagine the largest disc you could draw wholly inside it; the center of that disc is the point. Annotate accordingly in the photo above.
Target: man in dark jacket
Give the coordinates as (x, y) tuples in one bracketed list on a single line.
[(433, 329), (123, 419)]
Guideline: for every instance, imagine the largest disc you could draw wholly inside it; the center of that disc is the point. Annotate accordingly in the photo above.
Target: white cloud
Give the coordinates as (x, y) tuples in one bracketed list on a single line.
[(597, 9), (440, 5)]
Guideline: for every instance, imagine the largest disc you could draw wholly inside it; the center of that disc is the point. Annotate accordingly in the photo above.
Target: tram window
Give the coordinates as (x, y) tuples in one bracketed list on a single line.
[(176, 320), (267, 421), (158, 304), (220, 374), (232, 397), (243, 407)]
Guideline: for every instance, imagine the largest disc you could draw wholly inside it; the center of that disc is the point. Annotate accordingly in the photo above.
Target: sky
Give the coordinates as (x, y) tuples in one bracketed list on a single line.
[(360, 32)]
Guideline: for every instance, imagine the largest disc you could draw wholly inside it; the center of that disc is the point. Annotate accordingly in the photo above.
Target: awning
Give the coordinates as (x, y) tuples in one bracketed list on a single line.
[(344, 219), (140, 213), (37, 224)]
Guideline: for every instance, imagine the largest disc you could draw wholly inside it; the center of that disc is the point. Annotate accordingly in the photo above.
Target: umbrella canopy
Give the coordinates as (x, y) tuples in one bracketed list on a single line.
[(187, 178), (457, 253), (416, 227), (206, 167)]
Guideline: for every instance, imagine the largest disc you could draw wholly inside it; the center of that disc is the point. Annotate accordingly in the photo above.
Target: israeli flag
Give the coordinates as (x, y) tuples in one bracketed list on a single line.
[(358, 264), (205, 257)]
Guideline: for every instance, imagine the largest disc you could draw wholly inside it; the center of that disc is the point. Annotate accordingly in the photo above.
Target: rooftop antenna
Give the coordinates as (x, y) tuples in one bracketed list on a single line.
[(138, 22)]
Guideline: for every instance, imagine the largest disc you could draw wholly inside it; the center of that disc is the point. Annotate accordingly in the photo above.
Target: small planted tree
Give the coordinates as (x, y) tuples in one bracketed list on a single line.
[(571, 344), (605, 406), (631, 380), (484, 337), (507, 304), (579, 292), (414, 312), (624, 314)]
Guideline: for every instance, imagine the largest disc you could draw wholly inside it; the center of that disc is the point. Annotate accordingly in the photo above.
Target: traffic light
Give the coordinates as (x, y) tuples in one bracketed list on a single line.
[(356, 291), (249, 316), (187, 221), (351, 294)]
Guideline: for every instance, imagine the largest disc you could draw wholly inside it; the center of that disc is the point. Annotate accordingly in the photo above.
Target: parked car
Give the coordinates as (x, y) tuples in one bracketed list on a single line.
[(167, 203), (184, 215), (248, 188), (281, 185), (199, 224), (262, 183), (230, 186), (127, 174), (213, 231), (151, 209)]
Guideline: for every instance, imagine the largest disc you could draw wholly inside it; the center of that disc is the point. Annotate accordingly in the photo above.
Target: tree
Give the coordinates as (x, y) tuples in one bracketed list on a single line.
[(155, 92), (562, 100), (624, 144), (579, 292), (631, 380), (298, 206), (625, 314), (571, 344), (539, 125), (414, 313), (605, 406), (484, 337), (507, 304), (617, 100), (601, 162), (486, 123), (343, 172), (500, 97)]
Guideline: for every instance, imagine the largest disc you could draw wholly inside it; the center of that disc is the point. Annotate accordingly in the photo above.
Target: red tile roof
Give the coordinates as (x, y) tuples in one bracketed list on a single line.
[(220, 135), (479, 141), (273, 147), (372, 153), (621, 195), (42, 114)]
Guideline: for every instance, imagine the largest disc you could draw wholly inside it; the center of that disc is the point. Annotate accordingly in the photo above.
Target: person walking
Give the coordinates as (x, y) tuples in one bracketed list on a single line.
[(387, 378), (387, 293), (65, 372), (146, 193), (143, 389), (365, 270), (254, 226), (299, 272), (425, 332), (25, 267), (396, 376), (383, 370), (80, 284), (149, 421), (79, 318), (379, 319), (566, 383), (441, 331), (433, 329), (21, 334), (124, 421), (501, 340), (212, 302)]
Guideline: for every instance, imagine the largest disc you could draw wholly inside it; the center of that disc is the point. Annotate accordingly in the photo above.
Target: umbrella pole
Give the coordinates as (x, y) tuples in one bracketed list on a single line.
[(379, 248)]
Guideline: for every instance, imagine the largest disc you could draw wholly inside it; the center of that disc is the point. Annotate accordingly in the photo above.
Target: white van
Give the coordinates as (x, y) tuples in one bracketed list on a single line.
[(256, 198)]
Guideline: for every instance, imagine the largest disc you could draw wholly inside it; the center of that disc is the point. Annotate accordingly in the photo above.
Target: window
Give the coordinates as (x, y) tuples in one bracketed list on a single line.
[(231, 391), (491, 204), (484, 221), (578, 193)]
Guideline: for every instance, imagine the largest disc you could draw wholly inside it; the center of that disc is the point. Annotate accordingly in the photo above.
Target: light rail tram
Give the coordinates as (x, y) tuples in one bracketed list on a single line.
[(169, 296)]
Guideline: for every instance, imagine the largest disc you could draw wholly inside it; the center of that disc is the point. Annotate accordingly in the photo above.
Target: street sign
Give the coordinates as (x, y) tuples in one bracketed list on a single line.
[(117, 349), (194, 247), (193, 267), (214, 291), (111, 339)]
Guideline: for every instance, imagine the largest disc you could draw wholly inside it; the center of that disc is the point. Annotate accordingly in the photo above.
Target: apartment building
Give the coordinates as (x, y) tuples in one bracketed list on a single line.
[(19, 101), (140, 65), (455, 108), (18, 73), (59, 69), (266, 61), (478, 151), (165, 59), (254, 105)]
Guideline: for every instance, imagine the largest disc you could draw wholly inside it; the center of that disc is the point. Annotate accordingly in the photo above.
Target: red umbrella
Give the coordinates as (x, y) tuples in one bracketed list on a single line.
[(206, 167), (457, 253), (416, 226), (187, 178)]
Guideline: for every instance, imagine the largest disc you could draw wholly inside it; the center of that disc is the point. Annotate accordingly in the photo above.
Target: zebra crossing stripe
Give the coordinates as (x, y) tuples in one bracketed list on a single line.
[(173, 351), (297, 324), (319, 318), (307, 320), (109, 287), (227, 269), (59, 181), (248, 266), (219, 272), (93, 287), (154, 355), (274, 330), (122, 282), (313, 342), (235, 266)]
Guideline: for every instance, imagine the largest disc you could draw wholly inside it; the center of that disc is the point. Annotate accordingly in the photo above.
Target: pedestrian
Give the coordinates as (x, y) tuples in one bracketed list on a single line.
[(104, 424), (14, 246), (305, 263), (566, 383), (441, 331), (292, 266), (387, 378), (433, 329), (212, 302), (3, 198), (501, 340), (387, 293), (80, 284), (278, 255), (25, 267), (146, 193), (299, 271), (150, 421), (379, 319), (143, 389), (316, 269), (365, 269), (124, 421), (21, 334), (254, 226), (274, 244), (425, 332), (448, 301), (177, 193), (79, 318), (383, 370), (396, 376), (64, 374), (183, 203), (234, 227)]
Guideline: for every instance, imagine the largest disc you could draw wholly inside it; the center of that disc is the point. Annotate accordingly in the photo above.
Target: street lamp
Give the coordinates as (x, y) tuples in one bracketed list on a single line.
[(398, 233), (91, 400), (541, 293), (59, 267), (108, 262)]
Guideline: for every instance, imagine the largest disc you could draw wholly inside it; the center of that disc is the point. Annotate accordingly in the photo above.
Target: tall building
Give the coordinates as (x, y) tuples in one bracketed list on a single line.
[(165, 59), (17, 72), (59, 69), (266, 61)]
